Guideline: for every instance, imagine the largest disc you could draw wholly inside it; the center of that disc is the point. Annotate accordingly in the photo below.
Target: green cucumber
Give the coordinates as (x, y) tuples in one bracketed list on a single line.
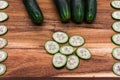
[(90, 11), (77, 10), (34, 11), (63, 10)]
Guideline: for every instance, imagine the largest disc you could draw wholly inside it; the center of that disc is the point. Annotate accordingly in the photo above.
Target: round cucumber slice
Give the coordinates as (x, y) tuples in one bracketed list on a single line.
[(59, 60), (3, 42), (60, 37), (116, 15), (116, 26), (3, 55), (3, 16), (116, 53), (116, 68), (3, 4), (52, 47), (67, 50), (83, 53), (76, 41), (72, 62), (115, 4), (2, 69), (3, 29), (116, 39)]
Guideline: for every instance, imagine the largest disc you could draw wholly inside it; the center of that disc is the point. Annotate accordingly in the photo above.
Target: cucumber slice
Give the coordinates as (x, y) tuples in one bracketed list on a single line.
[(3, 16), (116, 15), (52, 47), (59, 60), (83, 53), (60, 37), (116, 26), (3, 29), (115, 4), (76, 41), (72, 62), (3, 4), (3, 42), (3, 69), (116, 68), (67, 50), (116, 53), (116, 39), (3, 55)]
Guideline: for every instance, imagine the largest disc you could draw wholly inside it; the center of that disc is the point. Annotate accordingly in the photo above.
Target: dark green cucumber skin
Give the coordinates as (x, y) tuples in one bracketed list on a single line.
[(90, 10), (63, 10), (34, 11), (77, 10)]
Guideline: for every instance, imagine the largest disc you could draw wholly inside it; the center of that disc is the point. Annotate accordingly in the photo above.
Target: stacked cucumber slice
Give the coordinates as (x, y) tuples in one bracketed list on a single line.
[(3, 55), (3, 4), (116, 26), (3, 16), (116, 53), (67, 51), (3, 69), (115, 4), (116, 37), (116, 68), (3, 30)]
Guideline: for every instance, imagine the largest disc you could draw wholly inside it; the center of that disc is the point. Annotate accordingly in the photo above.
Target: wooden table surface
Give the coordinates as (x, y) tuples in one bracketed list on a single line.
[(27, 57)]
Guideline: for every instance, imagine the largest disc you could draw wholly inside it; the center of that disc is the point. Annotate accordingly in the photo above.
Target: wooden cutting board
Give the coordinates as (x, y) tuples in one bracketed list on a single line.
[(27, 57)]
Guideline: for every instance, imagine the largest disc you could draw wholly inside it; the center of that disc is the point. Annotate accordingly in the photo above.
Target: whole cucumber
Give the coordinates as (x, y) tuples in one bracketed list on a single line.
[(90, 11), (63, 10), (77, 10), (34, 11)]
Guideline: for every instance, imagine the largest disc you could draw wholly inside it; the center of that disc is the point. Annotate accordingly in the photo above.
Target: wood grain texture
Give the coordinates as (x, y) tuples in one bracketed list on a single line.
[(27, 57)]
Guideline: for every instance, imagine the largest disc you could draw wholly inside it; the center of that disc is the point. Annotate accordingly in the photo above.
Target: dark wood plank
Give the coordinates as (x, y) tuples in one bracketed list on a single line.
[(27, 57)]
